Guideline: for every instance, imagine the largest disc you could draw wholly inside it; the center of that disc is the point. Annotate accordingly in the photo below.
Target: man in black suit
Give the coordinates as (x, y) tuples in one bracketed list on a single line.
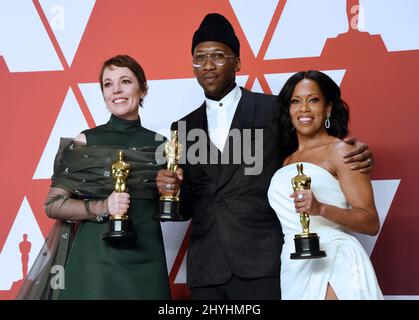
[(236, 239)]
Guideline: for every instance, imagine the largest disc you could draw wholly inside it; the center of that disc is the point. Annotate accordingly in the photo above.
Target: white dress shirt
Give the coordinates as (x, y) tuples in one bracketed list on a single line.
[(220, 115)]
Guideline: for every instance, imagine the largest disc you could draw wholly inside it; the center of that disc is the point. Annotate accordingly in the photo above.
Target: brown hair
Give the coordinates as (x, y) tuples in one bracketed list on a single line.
[(130, 63)]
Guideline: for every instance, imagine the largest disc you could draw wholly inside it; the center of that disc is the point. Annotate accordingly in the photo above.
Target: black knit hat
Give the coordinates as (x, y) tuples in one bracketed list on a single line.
[(216, 27)]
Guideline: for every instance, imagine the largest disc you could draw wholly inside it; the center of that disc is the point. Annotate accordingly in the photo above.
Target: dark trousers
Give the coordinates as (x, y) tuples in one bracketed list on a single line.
[(240, 289)]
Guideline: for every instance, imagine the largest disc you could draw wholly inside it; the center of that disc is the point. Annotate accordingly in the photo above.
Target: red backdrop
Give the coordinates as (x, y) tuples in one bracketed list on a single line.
[(379, 82)]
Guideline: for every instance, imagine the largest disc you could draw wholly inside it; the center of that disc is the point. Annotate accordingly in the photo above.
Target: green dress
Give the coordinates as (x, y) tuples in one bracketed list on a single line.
[(96, 269)]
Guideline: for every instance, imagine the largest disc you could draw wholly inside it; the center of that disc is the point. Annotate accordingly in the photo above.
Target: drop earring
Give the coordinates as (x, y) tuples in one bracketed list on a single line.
[(327, 121)]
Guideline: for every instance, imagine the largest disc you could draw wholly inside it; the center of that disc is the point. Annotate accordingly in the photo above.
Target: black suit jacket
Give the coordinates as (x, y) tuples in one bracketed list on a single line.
[(234, 230)]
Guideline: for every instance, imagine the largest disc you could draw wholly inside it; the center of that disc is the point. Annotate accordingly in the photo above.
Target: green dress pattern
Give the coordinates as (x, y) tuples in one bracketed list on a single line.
[(96, 269)]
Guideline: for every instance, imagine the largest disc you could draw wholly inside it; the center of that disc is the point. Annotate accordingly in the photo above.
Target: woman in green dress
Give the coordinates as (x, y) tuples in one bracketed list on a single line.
[(94, 268)]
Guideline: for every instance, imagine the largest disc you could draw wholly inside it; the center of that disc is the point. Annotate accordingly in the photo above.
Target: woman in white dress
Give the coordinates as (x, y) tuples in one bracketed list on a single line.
[(339, 202)]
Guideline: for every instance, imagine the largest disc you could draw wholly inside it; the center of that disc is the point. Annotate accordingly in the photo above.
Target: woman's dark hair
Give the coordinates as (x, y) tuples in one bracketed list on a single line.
[(130, 63), (339, 116)]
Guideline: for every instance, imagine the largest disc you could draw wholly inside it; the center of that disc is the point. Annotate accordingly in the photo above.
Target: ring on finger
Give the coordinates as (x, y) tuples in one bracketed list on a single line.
[(300, 196)]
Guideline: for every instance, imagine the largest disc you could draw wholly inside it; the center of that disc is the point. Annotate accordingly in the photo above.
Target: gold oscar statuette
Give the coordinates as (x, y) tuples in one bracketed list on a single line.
[(168, 209), (120, 225), (307, 245)]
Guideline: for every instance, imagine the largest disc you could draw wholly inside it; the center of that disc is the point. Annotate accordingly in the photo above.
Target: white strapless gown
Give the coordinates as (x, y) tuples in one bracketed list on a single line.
[(347, 267)]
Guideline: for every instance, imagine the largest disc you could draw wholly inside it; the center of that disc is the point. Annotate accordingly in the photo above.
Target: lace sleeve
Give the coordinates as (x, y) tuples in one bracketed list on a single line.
[(61, 206)]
